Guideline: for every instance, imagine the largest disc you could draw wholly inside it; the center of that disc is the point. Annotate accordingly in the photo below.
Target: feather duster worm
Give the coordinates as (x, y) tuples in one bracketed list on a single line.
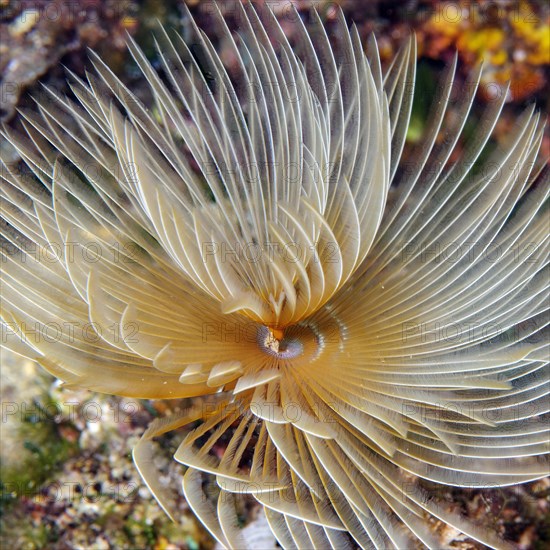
[(254, 239)]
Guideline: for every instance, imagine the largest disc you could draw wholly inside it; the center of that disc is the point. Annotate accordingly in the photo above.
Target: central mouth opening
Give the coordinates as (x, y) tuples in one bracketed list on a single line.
[(274, 342)]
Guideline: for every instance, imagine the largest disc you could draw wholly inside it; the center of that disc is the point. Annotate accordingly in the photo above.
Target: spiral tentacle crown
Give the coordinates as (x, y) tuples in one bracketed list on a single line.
[(257, 239)]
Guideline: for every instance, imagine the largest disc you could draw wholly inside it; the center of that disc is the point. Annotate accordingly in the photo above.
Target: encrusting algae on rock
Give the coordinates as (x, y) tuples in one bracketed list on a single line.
[(512, 39), (350, 320)]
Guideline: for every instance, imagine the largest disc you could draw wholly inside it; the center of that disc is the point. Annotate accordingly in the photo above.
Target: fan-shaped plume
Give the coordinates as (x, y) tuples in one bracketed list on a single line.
[(254, 238)]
